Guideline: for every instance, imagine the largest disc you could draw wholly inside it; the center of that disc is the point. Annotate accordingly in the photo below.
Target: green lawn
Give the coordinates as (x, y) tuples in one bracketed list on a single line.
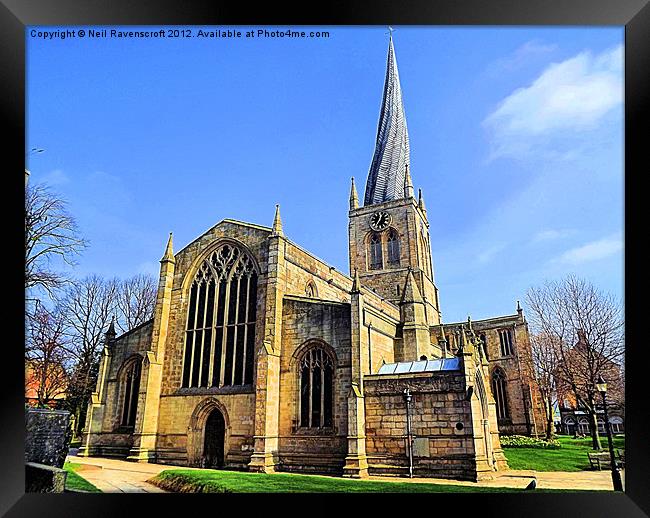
[(76, 482), (572, 456), (217, 481)]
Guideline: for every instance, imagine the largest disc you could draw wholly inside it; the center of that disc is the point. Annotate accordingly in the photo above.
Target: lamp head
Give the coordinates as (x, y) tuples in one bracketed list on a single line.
[(601, 384)]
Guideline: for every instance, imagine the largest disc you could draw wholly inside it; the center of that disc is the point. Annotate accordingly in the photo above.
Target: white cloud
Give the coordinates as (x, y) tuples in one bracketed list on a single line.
[(570, 96), (489, 254), (550, 235), (592, 251), (520, 57)]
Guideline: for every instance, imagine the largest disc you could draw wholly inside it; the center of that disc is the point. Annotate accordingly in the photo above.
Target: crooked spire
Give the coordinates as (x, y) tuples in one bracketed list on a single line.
[(386, 178)]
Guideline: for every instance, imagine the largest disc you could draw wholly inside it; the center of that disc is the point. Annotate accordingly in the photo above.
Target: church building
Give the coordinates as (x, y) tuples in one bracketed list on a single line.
[(261, 356)]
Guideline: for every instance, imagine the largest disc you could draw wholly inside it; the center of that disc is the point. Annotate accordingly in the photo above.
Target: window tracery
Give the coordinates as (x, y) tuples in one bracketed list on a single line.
[(393, 247), (499, 393), (220, 332), (131, 393), (316, 388), (376, 259)]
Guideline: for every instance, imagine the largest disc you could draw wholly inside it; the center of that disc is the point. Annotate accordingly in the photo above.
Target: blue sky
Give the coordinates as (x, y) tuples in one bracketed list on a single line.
[(516, 141)]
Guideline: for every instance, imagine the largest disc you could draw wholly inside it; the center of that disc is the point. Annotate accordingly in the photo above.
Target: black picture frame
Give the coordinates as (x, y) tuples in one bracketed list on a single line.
[(633, 14)]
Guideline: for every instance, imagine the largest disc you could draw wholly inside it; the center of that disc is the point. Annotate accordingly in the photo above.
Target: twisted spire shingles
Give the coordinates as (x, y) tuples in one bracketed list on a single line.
[(391, 158)]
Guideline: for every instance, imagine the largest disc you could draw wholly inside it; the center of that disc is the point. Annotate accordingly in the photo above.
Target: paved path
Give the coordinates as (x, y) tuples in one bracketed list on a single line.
[(521, 478), (120, 476)]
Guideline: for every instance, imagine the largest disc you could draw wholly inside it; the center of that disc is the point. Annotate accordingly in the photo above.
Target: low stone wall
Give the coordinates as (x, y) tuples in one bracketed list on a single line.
[(440, 423), (47, 436), (40, 478)]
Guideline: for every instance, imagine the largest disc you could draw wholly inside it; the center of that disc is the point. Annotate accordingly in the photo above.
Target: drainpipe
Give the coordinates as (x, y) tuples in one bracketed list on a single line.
[(409, 437)]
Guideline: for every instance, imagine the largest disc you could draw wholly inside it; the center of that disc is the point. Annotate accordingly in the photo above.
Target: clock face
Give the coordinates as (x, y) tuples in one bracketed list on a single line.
[(380, 220)]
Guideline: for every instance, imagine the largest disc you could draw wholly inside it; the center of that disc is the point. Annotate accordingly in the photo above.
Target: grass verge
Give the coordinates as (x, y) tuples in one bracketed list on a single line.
[(76, 482), (218, 481), (572, 456)]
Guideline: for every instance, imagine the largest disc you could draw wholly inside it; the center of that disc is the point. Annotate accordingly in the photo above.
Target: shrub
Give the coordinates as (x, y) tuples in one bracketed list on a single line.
[(522, 441)]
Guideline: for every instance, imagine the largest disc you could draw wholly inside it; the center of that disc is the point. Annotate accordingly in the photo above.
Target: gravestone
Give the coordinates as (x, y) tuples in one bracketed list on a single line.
[(47, 442)]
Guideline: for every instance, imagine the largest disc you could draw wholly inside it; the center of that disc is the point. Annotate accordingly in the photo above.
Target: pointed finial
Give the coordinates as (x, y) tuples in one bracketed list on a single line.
[(408, 184), (354, 199), (519, 310), (443, 341), (411, 291), (169, 251), (421, 203), (110, 333), (463, 336), (356, 284), (277, 223)]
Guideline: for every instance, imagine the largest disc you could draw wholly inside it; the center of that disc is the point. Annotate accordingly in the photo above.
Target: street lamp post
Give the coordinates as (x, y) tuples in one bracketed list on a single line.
[(601, 384), (409, 440)]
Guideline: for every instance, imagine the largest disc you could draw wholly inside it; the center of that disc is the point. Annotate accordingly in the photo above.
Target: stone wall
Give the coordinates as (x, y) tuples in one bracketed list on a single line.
[(182, 425), (441, 425), (308, 323), (40, 478), (183, 411), (524, 404), (109, 438)]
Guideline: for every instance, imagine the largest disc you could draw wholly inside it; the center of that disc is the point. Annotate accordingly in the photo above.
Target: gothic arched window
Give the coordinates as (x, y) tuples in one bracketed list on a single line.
[(393, 247), (425, 254), (376, 260), (316, 387), (505, 339), (220, 336), (131, 392), (499, 393)]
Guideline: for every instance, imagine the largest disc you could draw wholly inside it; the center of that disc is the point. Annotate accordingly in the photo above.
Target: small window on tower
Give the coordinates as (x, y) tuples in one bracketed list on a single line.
[(376, 259), (505, 339), (393, 248)]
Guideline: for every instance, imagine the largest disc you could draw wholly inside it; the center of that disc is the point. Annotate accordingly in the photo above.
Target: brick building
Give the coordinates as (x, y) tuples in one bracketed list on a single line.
[(261, 356)]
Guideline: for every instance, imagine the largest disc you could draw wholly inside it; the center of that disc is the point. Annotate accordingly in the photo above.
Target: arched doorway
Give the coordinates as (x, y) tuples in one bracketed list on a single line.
[(213, 444)]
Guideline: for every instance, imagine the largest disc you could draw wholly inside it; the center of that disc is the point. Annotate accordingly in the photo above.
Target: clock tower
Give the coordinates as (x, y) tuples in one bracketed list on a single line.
[(389, 234)]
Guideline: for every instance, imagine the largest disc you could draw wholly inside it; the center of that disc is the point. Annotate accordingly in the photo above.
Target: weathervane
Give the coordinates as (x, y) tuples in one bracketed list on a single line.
[(390, 31)]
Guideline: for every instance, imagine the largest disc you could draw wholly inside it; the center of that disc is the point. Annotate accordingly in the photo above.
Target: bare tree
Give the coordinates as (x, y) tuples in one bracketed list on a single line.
[(50, 231), (588, 327), (543, 360), (46, 356), (89, 306), (136, 298)]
